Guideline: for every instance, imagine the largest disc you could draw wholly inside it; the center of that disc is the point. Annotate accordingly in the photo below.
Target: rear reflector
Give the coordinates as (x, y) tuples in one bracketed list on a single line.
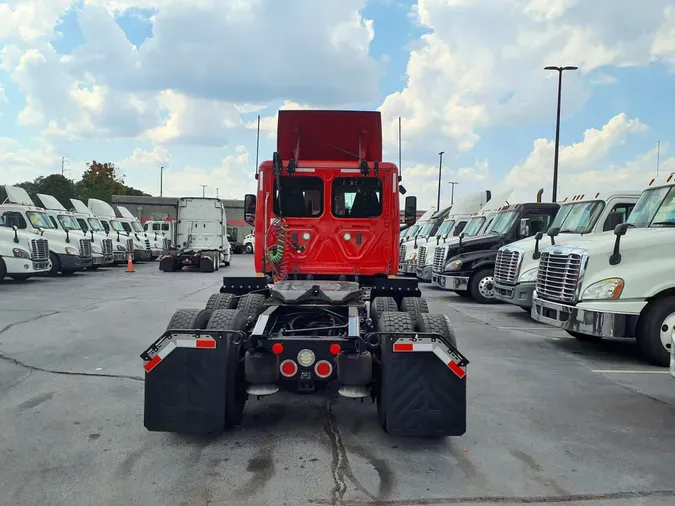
[(424, 344), (205, 343)]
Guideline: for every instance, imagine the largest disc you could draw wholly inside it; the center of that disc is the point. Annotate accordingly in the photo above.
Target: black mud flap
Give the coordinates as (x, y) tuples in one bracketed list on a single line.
[(423, 386), (167, 264), (185, 377)]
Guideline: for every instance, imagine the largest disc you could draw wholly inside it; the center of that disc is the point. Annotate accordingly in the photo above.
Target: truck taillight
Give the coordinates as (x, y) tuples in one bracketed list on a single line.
[(323, 369), (288, 368)]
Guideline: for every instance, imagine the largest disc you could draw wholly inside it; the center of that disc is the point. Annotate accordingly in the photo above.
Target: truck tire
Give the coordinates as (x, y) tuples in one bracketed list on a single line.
[(654, 328), (380, 305), (235, 386), (56, 264), (207, 264), (251, 305), (482, 287), (409, 381), (249, 248), (3, 269), (189, 319), (438, 324), (414, 306), (221, 301)]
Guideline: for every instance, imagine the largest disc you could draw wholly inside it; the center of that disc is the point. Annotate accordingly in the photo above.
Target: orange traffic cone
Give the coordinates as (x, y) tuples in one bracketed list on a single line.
[(130, 264)]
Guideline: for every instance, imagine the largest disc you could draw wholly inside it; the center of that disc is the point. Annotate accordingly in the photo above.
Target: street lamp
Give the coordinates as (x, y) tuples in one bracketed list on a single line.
[(452, 197), (440, 166), (560, 71), (161, 180)]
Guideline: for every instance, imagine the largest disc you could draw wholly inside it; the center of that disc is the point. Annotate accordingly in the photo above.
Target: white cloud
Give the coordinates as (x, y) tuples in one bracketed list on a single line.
[(30, 20), (20, 163), (664, 43)]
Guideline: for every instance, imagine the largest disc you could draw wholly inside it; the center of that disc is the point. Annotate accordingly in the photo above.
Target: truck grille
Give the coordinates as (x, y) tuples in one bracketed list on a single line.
[(147, 244), (558, 276), (85, 248), (439, 258), (422, 256), (401, 254), (506, 266), (107, 246), (130, 245), (39, 249)]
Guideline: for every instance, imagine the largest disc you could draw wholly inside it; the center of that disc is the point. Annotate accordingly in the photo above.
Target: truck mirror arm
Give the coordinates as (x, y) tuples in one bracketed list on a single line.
[(552, 233), (538, 237), (620, 230)]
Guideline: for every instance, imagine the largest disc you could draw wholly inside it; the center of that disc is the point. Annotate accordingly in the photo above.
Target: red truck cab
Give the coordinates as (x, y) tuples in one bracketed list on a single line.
[(326, 205)]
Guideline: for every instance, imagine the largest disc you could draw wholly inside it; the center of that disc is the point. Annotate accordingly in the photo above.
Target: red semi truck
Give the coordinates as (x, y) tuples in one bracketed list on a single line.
[(325, 312)]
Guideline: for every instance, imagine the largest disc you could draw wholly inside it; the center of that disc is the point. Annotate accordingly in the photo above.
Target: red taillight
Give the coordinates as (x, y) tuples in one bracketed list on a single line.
[(335, 349), (323, 369), (288, 368), (277, 348)]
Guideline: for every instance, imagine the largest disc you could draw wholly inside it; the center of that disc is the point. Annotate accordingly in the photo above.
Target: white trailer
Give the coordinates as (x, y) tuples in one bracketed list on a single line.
[(517, 264), (201, 236), (617, 284)]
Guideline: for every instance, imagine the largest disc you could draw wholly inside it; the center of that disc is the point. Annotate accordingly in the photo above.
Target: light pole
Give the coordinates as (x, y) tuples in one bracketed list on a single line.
[(440, 167), (161, 181), (560, 71), (452, 197), (203, 189)]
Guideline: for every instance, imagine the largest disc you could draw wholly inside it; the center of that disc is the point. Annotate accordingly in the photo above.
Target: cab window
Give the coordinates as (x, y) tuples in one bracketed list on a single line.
[(83, 224), (357, 197), (301, 197), (13, 218), (126, 226), (624, 209), (51, 218)]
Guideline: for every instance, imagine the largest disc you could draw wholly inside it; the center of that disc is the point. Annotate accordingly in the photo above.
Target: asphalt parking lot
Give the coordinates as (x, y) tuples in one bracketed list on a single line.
[(550, 419)]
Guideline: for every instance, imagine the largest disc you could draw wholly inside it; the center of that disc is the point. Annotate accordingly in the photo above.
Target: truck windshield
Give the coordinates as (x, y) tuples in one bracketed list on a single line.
[(301, 197), (357, 197), (446, 227), (578, 218), (39, 219), (473, 226), (95, 224), (503, 222), (410, 232), (137, 226), (68, 222), (116, 225), (655, 208)]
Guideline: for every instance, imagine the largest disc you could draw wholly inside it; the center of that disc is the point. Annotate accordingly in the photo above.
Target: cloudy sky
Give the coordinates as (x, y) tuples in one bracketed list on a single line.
[(146, 83)]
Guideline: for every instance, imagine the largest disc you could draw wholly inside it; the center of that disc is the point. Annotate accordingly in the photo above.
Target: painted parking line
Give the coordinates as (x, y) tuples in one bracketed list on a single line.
[(628, 371)]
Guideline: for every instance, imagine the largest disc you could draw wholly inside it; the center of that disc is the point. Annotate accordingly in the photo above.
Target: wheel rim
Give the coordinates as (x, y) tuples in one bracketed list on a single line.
[(486, 287), (667, 328)]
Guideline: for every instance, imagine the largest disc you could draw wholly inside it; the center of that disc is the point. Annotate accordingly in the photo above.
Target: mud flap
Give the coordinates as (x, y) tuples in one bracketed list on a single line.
[(167, 264), (185, 381), (423, 386)]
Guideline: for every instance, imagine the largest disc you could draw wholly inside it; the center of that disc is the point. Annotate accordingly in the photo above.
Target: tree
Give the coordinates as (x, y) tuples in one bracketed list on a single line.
[(101, 181), (60, 187)]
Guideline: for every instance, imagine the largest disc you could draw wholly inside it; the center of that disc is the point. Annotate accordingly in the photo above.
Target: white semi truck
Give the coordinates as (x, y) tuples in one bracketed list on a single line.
[(65, 254), (161, 232), (517, 263), (452, 226), (143, 248), (122, 243), (407, 259), (22, 253), (617, 284), (201, 236), (102, 245)]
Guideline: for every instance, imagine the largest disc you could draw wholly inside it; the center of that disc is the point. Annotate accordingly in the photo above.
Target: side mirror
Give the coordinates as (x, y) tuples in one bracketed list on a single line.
[(621, 229), (613, 219), (459, 228), (524, 229), (249, 209), (462, 235), (552, 233), (402, 189), (410, 210), (15, 228)]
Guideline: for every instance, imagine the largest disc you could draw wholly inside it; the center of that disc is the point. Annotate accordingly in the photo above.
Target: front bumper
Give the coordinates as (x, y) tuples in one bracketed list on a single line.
[(408, 267), (108, 259), (142, 254), (72, 262), (520, 294), (156, 252), (583, 321), (456, 283), (97, 259), (25, 265), (119, 256), (424, 273)]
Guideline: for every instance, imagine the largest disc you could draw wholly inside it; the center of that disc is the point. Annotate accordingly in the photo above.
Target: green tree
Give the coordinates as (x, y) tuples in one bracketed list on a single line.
[(101, 181), (60, 187)]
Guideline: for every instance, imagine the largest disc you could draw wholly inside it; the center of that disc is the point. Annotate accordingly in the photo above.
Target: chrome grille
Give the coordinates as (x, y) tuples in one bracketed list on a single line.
[(107, 246), (401, 254), (422, 256), (439, 258), (130, 245), (85, 248), (506, 266), (558, 276), (147, 244), (39, 249)]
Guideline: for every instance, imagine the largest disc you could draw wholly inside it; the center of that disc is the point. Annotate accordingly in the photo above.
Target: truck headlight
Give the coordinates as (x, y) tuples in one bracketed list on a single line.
[(529, 275), (20, 253), (96, 249), (455, 265), (138, 246), (72, 251), (121, 248), (412, 257), (609, 288)]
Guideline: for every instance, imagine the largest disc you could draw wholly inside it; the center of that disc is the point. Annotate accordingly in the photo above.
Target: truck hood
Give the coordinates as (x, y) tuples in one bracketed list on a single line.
[(635, 238), (484, 242)]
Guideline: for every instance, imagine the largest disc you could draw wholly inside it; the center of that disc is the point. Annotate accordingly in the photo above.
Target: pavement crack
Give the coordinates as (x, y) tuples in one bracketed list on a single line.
[(340, 467), (14, 361), (29, 320)]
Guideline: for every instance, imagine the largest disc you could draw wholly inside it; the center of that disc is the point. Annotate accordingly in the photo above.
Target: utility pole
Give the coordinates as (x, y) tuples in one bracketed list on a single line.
[(440, 167), (560, 71), (658, 157), (203, 189), (63, 165), (217, 195), (452, 198), (161, 181)]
